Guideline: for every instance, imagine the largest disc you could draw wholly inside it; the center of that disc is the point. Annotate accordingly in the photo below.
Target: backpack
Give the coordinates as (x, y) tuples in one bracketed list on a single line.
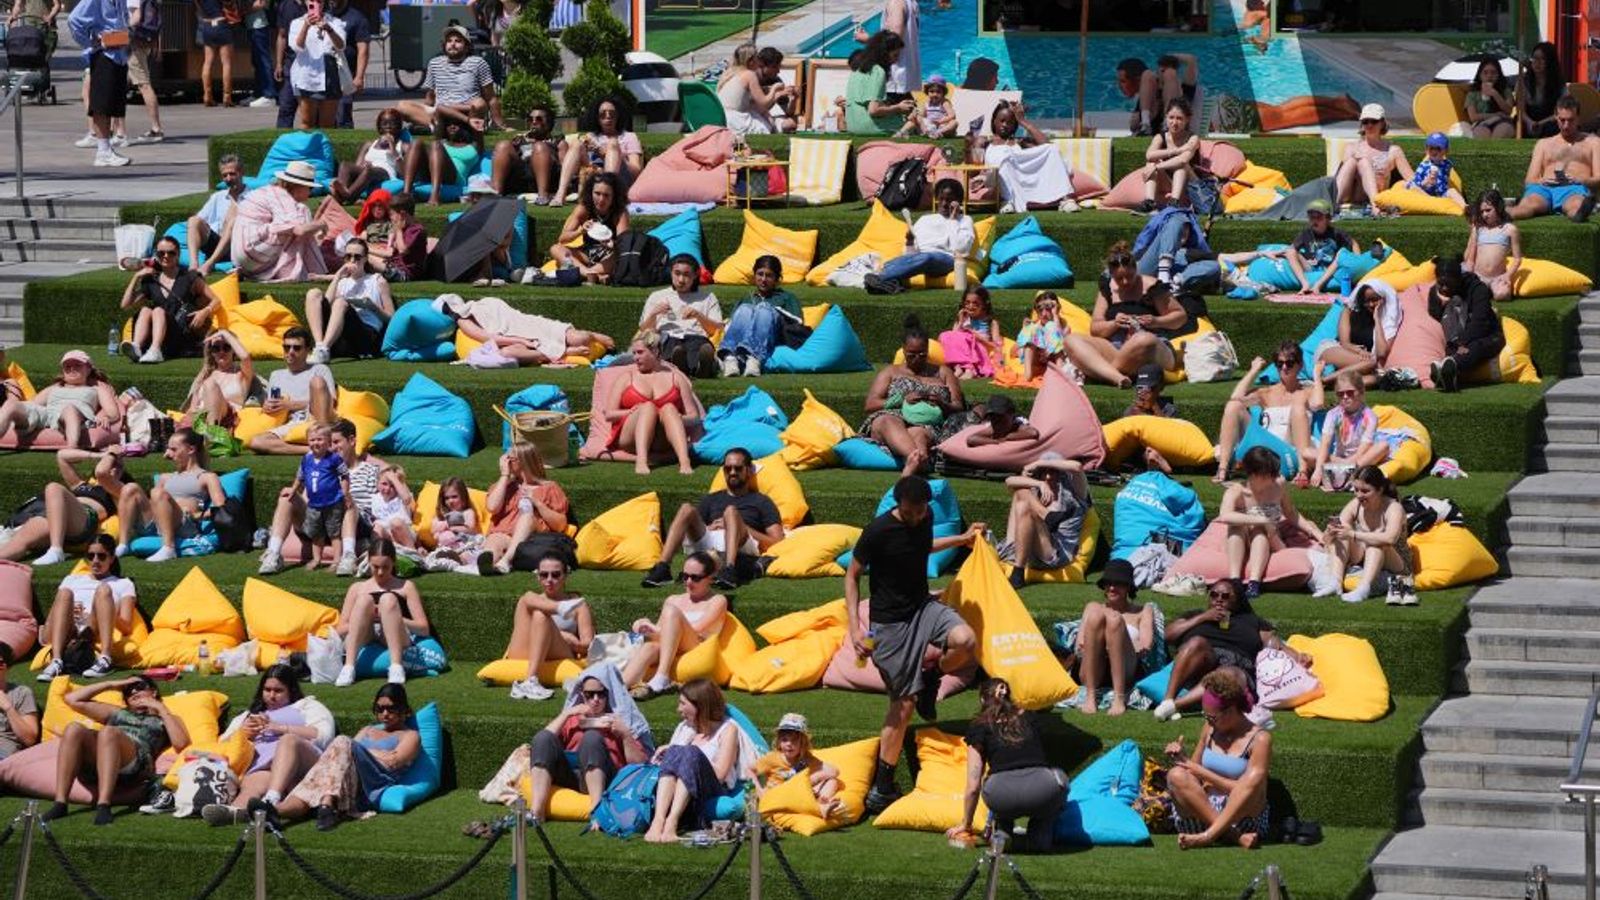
[(641, 260), (903, 185), (149, 27), (629, 802), (1209, 357), (1205, 196)]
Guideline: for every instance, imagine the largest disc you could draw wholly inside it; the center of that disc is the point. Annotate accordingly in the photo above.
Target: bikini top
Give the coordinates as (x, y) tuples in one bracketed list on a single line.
[(1228, 765), (1496, 237), (631, 397)]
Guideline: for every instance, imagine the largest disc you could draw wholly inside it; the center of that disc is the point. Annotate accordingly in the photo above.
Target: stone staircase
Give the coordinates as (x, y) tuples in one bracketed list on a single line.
[(1494, 756), (46, 238)]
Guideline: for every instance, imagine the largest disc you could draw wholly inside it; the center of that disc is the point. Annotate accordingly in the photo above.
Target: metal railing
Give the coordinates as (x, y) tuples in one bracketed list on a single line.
[(13, 101), (1580, 791)]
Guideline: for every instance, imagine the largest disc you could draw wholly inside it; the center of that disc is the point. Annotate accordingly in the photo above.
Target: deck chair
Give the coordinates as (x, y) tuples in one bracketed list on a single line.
[(816, 170), (1439, 107), (1090, 156), (700, 105)]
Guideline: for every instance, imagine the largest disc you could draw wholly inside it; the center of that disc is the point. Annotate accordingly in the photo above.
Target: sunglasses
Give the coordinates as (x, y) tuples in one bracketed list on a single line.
[(219, 348), (1286, 363), (382, 708), (294, 348), (1120, 261), (1343, 394), (1365, 122), (165, 253), (550, 576), (1220, 595), (595, 695), (687, 577), (100, 555), (733, 468)]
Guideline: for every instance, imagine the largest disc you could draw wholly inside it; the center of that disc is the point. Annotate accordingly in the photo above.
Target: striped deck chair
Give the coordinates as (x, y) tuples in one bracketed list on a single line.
[(1089, 156), (1336, 146), (816, 170)]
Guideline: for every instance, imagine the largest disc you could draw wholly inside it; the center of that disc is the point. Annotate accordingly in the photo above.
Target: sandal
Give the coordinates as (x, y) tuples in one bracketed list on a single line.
[(478, 829)]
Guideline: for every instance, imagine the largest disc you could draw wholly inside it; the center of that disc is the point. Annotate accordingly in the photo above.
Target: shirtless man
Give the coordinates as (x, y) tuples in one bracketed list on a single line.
[(1564, 172)]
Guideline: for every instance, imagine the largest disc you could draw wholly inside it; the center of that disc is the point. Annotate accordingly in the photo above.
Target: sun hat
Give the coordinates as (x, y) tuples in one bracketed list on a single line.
[(299, 172), (597, 231), (1372, 112), (794, 722)]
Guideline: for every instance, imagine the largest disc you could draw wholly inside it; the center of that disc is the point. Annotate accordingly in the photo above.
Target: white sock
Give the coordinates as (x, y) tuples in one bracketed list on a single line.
[(122, 550), (660, 683), (103, 145), (272, 798), (347, 547), (275, 545), (51, 557)]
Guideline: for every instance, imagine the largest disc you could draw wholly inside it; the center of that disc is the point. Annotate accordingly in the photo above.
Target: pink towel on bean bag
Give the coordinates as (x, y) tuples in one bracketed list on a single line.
[(874, 158), (19, 630), (1220, 158), (961, 348), (600, 428), (1066, 422), (690, 171), (1420, 340), (1207, 557)]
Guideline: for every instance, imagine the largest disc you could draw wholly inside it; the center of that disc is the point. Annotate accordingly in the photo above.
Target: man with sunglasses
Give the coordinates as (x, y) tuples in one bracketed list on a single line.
[(299, 391), (904, 619), (738, 523)]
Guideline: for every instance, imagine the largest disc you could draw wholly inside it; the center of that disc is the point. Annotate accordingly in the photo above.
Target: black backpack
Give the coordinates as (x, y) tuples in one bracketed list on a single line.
[(903, 185), (641, 260)]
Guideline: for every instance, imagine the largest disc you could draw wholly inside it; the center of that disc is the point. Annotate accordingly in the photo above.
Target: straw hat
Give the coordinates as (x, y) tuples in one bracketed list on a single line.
[(299, 172)]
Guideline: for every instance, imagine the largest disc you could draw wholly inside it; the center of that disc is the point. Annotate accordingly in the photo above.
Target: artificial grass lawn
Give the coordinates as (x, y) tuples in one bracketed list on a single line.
[(394, 854), (676, 31)]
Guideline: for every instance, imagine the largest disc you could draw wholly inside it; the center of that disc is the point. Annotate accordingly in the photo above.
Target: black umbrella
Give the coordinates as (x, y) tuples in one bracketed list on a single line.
[(474, 235)]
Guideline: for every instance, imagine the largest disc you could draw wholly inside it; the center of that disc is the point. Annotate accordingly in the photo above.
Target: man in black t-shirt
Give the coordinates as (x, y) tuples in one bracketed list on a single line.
[(904, 619), (738, 521)]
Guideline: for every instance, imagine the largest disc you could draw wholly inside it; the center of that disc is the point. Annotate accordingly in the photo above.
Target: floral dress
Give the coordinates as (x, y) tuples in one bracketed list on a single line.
[(902, 385)]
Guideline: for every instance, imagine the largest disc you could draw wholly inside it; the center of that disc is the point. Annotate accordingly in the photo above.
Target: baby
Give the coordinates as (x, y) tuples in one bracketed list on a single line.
[(792, 757)]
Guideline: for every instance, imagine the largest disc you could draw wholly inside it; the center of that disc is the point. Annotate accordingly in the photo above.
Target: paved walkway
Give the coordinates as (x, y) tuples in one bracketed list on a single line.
[(784, 31)]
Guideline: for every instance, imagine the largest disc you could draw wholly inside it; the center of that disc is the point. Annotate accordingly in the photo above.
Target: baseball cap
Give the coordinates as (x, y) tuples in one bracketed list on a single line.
[(935, 79), (1372, 112), (1149, 377), (457, 30), (999, 405), (794, 722), (77, 356), (1437, 139), (1319, 206)]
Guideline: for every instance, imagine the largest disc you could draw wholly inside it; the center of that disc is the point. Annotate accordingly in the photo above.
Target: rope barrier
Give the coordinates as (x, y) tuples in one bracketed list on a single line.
[(1027, 889), (350, 893), (81, 883), (583, 891), (800, 889)]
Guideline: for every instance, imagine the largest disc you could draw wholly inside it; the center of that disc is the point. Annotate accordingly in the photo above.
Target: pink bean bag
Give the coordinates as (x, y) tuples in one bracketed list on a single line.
[(18, 628), (595, 448), (843, 673), (1289, 569), (31, 772), (873, 160), (1420, 340), (690, 171), (51, 439), (1066, 422), (1220, 158)]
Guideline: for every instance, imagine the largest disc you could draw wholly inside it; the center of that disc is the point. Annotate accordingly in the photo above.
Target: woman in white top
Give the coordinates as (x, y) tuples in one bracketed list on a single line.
[(317, 71), (100, 600), (744, 101), (1030, 173), (348, 320), (699, 764), (548, 625), (287, 731), (224, 383)]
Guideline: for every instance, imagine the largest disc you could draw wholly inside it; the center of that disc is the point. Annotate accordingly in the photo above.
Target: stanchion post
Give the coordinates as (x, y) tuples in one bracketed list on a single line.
[(30, 817), (997, 852), (259, 826), (519, 848), (1274, 882), (752, 826)]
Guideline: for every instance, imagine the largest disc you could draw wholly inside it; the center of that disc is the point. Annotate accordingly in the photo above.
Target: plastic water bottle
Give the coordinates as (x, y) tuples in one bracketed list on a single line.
[(112, 340), (203, 653), (1344, 284)]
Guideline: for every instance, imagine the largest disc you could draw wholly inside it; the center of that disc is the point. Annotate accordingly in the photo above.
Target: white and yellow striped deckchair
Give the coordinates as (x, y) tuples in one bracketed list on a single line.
[(1091, 156), (1336, 147), (816, 170)]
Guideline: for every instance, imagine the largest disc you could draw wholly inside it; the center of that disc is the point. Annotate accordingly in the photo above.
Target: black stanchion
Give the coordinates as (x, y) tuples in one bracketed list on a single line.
[(1027, 889), (972, 879), (350, 893)]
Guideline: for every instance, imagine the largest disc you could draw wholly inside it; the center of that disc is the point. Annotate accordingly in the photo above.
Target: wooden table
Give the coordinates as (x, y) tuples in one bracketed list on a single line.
[(966, 171), (749, 166)]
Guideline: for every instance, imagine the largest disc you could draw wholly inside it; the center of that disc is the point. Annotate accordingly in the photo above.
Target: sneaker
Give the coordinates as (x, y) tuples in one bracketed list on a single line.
[(1434, 376), (877, 284), (161, 802), (151, 136), (262, 102), (347, 676), (346, 566), (503, 567), (1355, 596), (877, 801), (110, 159), (928, 696), (1252, 590), (103, 814), (320, 355), (397, 674), (100, 669), (1018, 577), (165, 554), (87, 142), (327, 818), (1585, 210), (217, 815), (129, 350), (152, 356), (50, 671), (119, 140), (530, 689), (1448, 372), (752, 367), (659, 574), (1392, 597), (730, 366), (485, 563), (1408, 597), (1166, 711), (271, 563)]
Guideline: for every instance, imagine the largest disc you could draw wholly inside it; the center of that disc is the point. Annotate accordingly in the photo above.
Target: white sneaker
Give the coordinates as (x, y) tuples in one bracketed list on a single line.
[(319, 355), (1166, 711), (347, 677), (1355, 596), (121, 551), (271, 563), (87, 142), (346, 567), (397, 674), (163, 555), (730, 366), (119, 140), (50, 671), (262, 102), (530, 689), (752, 367), (110, 159), (152, 356), (1392, 598), (51, 557), (101, 668)]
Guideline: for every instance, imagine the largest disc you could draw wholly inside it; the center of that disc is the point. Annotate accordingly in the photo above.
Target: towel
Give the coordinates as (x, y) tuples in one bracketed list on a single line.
[(1029, 175), (499, 318)]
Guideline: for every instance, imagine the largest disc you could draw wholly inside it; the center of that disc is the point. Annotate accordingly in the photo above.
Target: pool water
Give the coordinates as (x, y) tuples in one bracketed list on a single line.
[(1045, 67)]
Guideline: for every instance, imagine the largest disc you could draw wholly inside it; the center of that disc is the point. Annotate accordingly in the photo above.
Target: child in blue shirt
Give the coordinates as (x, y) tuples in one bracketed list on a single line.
[(1432, 176), (325, 480)]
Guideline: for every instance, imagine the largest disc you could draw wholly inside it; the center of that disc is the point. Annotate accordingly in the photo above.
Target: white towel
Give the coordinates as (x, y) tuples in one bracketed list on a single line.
[(1029, 175)]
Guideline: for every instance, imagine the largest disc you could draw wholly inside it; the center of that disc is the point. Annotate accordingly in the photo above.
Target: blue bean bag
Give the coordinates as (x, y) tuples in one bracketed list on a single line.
[(1153, 503), (681, 234), (1154, 685), (946, 523), (832, 347), (427, 420), (731, 806), (420, 333), (425, 658), (1100, 822), (860, 453), (310, 146), (1025, 257), (1355, 266), (421, 779), (179, 231), (751, 420), (1275, 272), (1116, 773), (537, 397), (234, 486), (422, 190), (1327, 330)]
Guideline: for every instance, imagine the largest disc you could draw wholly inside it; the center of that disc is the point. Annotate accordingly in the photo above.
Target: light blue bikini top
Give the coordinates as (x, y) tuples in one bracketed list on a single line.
[(1228, 765), (1494, 236)]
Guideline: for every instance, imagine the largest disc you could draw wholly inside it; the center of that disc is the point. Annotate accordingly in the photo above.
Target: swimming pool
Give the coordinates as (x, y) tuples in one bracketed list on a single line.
[(1045, 67)]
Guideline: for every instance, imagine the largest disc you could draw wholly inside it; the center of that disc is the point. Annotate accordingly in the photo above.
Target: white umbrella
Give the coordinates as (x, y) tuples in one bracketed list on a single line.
[(1466, 68)]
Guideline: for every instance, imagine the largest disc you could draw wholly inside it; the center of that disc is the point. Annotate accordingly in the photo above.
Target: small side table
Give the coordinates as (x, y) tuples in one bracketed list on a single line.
[(749, 166), (965, 171)]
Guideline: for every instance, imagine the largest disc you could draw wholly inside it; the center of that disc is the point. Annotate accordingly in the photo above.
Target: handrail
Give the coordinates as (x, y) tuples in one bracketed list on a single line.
[(13, 101), (1577, 791)]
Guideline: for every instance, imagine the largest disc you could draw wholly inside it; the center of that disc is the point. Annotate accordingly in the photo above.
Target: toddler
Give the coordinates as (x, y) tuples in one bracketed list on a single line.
[(792, 757), (455, 522), (391, 509), (1432, 176), (937, 118), (325, 480)]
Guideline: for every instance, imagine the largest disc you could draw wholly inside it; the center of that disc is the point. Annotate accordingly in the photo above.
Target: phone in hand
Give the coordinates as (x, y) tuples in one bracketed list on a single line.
[(593, 722), (275, 393)]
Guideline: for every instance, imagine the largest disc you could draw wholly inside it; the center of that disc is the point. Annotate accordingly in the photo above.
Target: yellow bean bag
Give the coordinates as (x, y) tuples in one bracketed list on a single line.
[(1250, 200), (1411, 460), (1400, 274), (1179, 440), (935, 353), (794, 624), (1009, 643), (14, 373), (1353, 686), (237, 751), (566, 804), (1075, 571), (774, 479), (427, 501), (1202, 325), (795, 249), (198, 710), (793, 807), (626, 536), (194, 612), (254, 420), (795, 664), (935, 803), (551, 673), (1417, 203), (1515, 363), (280, 621), (809, 440), (57, 715), (259, 325), (1543, 278), (885, 234), (1445, 556), (811, 551), (715, 658)]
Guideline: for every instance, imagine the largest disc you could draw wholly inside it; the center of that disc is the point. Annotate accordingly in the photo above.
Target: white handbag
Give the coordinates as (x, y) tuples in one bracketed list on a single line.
[(1209, 357), (203, 780)]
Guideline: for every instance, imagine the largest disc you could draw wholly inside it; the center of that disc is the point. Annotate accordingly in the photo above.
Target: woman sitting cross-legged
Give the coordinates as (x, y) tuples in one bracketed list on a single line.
[(1219, 791), (383, 608), (122, 753), (286, 730), (1371, 533), (353, 773), (1004, 740), (604, 738), (699, 764), (1227, 633), (687, 619), (548, 625), (1259, 514)]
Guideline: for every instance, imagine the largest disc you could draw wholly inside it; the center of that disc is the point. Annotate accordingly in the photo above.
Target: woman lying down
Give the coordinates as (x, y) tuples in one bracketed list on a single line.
[(512, 338)]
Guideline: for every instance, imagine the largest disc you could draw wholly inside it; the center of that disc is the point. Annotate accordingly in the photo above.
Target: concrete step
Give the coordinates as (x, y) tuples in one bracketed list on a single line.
[(1532, 645), (1541, 810), (1553, 562), (1589, 335), (1446, 861), (1482, 771), (1525, 726), (1548, 531), (1544, 603), (99, 208), (26, 272), (57, 250), (11, 333), (1572, 429), (1559, 494), (1531, 678), (1589, 311), (1583, 362), (1573, 397), (1564, 458), (62, 229)]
